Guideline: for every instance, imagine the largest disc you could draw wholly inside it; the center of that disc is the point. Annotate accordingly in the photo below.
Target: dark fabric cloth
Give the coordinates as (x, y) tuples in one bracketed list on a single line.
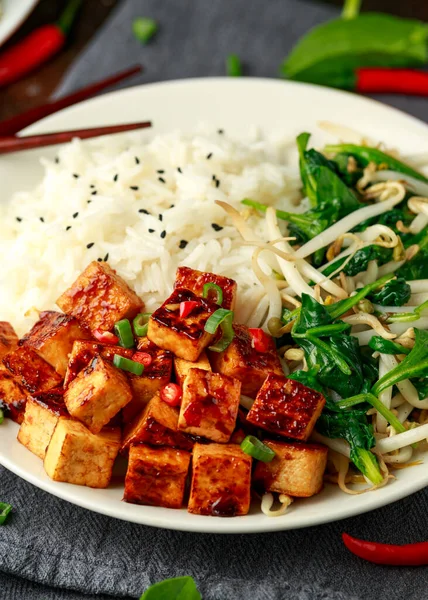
[(52, 550)]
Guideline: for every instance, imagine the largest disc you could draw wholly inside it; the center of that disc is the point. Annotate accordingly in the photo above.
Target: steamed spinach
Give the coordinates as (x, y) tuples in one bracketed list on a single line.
[(380, 344), (360, 261), (416, 267), (395, 292)]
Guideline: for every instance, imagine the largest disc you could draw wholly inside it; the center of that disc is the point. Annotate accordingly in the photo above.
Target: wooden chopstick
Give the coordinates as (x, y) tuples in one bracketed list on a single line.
[(16, 144), (15, 124)]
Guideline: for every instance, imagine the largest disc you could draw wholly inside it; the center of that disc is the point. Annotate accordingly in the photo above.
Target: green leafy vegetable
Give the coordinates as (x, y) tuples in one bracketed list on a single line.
[(421, 384), (408, 317), (1, 416), (379, 344), (416, 267), (377, 404), (179, 588), (330, 53), (360, 261), (340, 308), (309, 378), (4, 511), (144, 29), (395, 292), (233, 66)]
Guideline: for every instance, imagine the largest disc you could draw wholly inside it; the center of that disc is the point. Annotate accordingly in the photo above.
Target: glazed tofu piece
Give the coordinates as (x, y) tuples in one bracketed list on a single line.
[(97, 394), (13, 396), (241, 361), (193, 280), (8, 338), (156, 425), (210, 405), (182, 367), (221, 481), (296, 470), (99, 298), (52, 337), (286, 407), (183, 336), (156, 476), (31, 371), (42, 413), (153, 378), (75, 455)]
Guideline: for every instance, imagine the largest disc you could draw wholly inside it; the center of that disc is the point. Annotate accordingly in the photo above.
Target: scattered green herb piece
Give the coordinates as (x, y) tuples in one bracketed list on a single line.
[(141, 324), (4, 511), (126, 364), (144, 29), (179, 588), (255, 448), (123, 331), (233, 66), (216, 289), (221, 318)]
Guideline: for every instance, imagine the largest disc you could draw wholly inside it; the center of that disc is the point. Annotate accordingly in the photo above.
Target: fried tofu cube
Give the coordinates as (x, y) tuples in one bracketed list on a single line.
[(210, 405), (42, 413), (31, 371), (193, 280), (184, 336), (75, 455), (286, 407), (241, 361), (13, 396), (296, 470), (99, 298), (153, 378), (52, 338), (97, 394), (8, 338), (221, 481), (182, 367), (156, 425), (156, 476)]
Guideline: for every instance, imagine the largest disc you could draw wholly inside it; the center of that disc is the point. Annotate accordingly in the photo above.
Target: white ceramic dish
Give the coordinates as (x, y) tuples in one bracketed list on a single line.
[(232, 104), (14, 12)]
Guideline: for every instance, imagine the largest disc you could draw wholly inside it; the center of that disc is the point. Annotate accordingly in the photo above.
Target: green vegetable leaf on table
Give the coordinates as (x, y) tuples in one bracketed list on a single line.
[(233, 66), (179, 588), (144, 29), (4, 511)]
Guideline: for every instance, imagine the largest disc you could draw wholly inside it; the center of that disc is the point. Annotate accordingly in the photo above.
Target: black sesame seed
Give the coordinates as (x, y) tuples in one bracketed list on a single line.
[(209, 155), (90, 245), (88, 201), (220, 131), (172, 206), (160, 171), (76, 175), (94, 193), (68, 227), (151, 230), (99, 259), (42, 219), (19, 219), (217, 182), (161, 179), (106, 257), (92, 185), (133, 187), (183, 244), (163, 234), (144, 211), (56, 159), (75, 215), (137, 160), (214, 177), (179, 170), (216, 227), (116, 177), (160, 217)]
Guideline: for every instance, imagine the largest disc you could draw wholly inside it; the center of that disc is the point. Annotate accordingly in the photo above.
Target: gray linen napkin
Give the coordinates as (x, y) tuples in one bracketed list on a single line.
[(52, 550)]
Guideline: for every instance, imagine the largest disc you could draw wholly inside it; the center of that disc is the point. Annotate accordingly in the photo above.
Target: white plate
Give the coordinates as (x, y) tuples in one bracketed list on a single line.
[(13, 14), (231, 104)]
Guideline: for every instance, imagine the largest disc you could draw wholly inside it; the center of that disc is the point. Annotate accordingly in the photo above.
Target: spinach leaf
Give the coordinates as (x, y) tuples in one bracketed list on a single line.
[(178, 588), (4, 511), (414, 365), (330, 53), (379, 344), (360, 261), (341, 160), (416, 267), (395, 292), (408, 317), (312, 314), (309, 378), (342, 306), (421, 384)]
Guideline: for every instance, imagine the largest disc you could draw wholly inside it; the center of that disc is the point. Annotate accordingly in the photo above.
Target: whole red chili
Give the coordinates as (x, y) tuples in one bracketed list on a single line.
[(388, 554), (37, 47)]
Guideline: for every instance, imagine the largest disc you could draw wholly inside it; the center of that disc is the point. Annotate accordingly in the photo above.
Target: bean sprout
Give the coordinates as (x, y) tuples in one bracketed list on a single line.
[(267, 503)]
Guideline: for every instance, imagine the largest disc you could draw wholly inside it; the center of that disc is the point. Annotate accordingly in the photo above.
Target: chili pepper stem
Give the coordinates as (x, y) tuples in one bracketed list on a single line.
[(68, 16), (351, 9)]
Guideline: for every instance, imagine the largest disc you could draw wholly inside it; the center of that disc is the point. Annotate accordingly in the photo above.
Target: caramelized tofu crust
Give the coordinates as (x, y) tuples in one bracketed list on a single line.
[(75, 455), (296, 470), (156, 476), (241, 361), (52, 338), (97, 394), (184, 336), (156, 425), (286, 407), (8, 338), (13, 396), (41, 416), (31, 370), (193, 280), (221, 481), (182, 367), (210, 405), (99, 298)]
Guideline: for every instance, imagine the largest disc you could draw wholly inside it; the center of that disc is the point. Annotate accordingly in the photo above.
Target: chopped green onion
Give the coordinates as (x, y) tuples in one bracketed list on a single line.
[(218, 292), (221, 318), (233, 66), (4, 511), (255, 448), (124, 333), (141, 324), (126, 364), (1, 416), (144, 29)]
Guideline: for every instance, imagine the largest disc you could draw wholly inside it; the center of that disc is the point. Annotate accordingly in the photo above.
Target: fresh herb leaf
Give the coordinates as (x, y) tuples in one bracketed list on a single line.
[(144, 29), (233, 66), (4, 511), (178, 588), (395, 292), (379, 344)]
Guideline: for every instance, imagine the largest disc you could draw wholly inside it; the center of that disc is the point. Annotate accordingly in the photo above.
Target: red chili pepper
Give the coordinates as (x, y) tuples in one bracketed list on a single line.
[(187, 307), (37, 47), (260, 340), (387, 554), (171, 394), (392, 81), (105, 337), (144, 358)]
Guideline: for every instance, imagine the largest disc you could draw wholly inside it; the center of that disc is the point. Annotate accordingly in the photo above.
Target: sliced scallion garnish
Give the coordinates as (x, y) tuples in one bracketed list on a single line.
[(123, 331), (126, 364), (141, 324), (144, 29), (218, 292), (233, 66), (1, 416), (255, 448), (221, 318)]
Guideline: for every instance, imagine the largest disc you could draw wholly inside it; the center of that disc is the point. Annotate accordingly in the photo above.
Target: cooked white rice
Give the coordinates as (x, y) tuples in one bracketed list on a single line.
[(90, 189)]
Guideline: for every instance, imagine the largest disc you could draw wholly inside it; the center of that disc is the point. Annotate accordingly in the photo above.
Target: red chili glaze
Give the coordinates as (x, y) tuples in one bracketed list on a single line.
[(254, 358), (225, 506), (53, 400), (159, 435), (31, 371), (193, 280), (49, 322), (86, 352), (206, 403)]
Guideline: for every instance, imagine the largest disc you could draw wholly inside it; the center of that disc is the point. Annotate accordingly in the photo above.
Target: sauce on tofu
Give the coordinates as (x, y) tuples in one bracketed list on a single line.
[(191, 326)]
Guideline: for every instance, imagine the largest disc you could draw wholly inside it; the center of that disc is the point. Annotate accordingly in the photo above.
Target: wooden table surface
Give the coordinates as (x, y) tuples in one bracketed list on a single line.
[(36, 88)]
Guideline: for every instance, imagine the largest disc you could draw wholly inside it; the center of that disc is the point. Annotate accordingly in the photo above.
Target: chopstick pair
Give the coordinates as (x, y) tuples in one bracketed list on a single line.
[(10, 143)]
